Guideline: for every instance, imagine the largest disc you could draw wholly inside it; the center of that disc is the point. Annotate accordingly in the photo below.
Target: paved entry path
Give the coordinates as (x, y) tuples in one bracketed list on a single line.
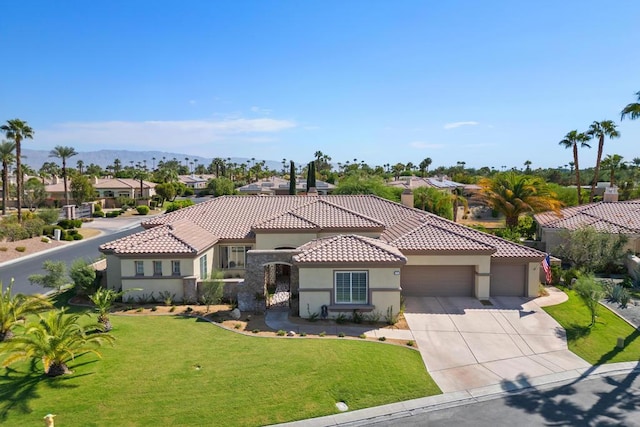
[(465, 344)]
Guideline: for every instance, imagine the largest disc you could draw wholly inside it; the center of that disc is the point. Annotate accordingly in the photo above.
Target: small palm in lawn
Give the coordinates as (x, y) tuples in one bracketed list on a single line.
[(56, 339), (14, 309), (103, 300)]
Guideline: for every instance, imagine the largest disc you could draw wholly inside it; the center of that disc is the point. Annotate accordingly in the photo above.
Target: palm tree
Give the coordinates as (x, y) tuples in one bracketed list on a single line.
[(600, 130), (527, 165), (17, 130), (80, 166), (6, 157), (424, 166), (571, 140), (513, 194), (103, 300), (612, 163), (14, 308), (63, 153), (56, 339), (632, 110)]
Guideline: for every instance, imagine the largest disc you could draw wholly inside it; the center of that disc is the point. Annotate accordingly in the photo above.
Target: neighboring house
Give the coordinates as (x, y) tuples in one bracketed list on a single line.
[(197, 182), (347, 253), (606, 216), (278, 186), (438, 182), (108, 189)]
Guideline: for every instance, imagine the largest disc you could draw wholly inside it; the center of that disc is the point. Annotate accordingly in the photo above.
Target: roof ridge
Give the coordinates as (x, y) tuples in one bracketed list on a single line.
[(290, 212), (441, 228), (171, 232), (342, 208)]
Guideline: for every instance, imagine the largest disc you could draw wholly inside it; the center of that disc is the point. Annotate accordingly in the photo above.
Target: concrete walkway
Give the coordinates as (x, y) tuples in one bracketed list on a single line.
[(466, 344)]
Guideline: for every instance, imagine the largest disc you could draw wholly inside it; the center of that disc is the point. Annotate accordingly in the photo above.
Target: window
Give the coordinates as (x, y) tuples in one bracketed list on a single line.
[(351, 287), (203, 267), (139, 268), (157, 268), (233, 256), (175, 268)]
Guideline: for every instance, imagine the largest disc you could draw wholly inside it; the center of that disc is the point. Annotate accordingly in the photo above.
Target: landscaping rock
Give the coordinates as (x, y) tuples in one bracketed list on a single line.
[(291, 334), (235, 314)]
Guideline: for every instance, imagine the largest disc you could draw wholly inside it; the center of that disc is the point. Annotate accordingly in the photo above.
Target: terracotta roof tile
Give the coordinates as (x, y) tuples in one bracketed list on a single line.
[(349, 248), (611, 217), (431, 237)]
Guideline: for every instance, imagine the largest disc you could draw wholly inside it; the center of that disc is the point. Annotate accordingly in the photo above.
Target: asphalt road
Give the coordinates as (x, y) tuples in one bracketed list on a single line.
[(21, 270), (596, 401)]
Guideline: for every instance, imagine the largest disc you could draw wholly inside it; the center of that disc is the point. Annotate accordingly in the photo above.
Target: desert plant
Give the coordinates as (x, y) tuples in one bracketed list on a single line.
[(83, 276), (357, 317), (411, 343), (21, 248), (142, 209), (341, 319), (373, 317), (166, 297), (382, 339), (362, 336), (617, 293), (303, 334), (55, 340), (390, 317), (15, 308), (281, 333), (341, 335), (322, 334), (255, 331), (103, 300), (590, 291)]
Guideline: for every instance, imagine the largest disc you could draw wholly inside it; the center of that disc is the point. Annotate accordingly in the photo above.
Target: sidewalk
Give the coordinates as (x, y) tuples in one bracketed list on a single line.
[(399, 410)]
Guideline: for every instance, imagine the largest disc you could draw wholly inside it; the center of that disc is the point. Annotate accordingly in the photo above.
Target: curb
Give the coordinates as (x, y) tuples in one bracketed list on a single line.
[(399, 410)]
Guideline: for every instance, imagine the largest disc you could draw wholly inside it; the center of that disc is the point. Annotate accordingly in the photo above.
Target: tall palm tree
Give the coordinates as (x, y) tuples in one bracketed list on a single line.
[(55, 339), (6, 157), (631, 110), (513, 194), (18, 130), (80, 166), (600, 130), (63, 153), (571, 140), (14, 308)]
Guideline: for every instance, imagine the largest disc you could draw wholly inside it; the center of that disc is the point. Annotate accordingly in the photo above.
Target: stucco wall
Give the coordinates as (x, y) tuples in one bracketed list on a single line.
[(114, 276), (533, 279), (317, 285), (155, 285), (282, 240)]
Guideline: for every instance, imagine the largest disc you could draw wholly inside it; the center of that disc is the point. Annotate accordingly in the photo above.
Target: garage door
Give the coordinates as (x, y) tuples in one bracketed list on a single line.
[(508, 280), (438, 281)]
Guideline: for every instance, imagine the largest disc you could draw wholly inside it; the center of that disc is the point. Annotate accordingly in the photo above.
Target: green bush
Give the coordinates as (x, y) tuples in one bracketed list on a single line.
[(112, 214), (49, 215), (188, 192), (98, 214), (21, 248), (97, 207), (142, 209), (179, 204), (70, 223), (77, 237), (153, 204), (33, 226)]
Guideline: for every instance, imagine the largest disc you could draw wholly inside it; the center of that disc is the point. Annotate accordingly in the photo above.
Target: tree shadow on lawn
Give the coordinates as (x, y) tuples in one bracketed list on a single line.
[(19, 387), (573, 332), (558, 408)]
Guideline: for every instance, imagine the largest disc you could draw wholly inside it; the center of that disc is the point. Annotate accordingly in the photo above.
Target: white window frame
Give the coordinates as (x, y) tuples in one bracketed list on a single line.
[(175, 271), (203, 267), (353, 294), (157, 271), (139, 268)]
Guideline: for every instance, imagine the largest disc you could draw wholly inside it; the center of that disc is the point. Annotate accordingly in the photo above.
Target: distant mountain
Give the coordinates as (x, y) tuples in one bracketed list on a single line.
[(103, 158)]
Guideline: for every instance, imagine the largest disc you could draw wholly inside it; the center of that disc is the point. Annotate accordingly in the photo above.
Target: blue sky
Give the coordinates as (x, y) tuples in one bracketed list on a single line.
[(490, 83)]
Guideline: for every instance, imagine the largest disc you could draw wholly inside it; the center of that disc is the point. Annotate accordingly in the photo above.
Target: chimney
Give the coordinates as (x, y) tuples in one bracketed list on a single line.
[(406, 198), (610, 194)]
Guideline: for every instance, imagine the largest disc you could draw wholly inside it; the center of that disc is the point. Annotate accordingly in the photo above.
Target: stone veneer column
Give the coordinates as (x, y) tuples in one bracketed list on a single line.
[(189, 289)]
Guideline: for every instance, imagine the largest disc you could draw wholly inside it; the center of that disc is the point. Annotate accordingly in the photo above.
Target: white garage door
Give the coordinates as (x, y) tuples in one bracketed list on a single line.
[(508, 280), (438, 281)]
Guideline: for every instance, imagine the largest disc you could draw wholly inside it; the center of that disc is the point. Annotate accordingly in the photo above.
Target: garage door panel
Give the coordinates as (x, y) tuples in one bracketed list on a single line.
[(508, 280), (437, 281)]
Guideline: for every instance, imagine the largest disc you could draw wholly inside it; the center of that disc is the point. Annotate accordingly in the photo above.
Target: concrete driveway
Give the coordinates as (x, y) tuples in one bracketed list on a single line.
[(465, 344)]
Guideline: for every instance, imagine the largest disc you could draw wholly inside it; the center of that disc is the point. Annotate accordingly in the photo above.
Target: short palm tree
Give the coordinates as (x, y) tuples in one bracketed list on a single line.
[(571, 140), (631, 110), (18, 130), (103, 300), (56, 339), (513, 194), (6, 157), (14, 309), (63, 153), (424, 166), (600, 130), (613, 163)]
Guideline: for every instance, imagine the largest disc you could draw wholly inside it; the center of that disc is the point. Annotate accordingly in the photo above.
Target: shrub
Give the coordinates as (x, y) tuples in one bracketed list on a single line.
[(153, 204), (174, 206), (12, 231), (154, 308), (188, 191), (382, 339), (341, 335), (97, 207), (112, 214), (303, 334), (322, 334), (411, 343), (281, 333), (237, 326), (172, 309), (21, 248), (49, 215), (166, 297), (362, 336), (356, 317), (617, 293), (139, 309), (98, 214), (45, 240), (255, 331), (391, 318), (142, 209), (341, 319), (373, 317)]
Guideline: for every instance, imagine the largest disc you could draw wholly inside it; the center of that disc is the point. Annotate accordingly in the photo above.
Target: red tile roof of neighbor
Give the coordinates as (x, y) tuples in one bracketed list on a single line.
[(610, 217), (403, 228)]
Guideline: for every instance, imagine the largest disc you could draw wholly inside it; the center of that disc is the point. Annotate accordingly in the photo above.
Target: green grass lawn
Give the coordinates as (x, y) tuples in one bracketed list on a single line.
[(596, 345), (186, 372)]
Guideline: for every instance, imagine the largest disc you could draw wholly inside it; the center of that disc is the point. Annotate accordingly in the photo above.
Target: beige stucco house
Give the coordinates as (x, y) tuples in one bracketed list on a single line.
[(107, 189), (342, 252)]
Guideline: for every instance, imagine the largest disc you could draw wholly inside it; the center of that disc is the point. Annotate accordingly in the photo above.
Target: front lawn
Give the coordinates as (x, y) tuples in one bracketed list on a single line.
[(596, 345), (177, 371)]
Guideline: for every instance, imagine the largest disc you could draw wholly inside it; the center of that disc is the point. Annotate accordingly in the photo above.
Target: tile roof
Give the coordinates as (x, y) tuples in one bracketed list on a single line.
[(236, 218), (104, 184), (179, 237), (348, 248), (610, 217)]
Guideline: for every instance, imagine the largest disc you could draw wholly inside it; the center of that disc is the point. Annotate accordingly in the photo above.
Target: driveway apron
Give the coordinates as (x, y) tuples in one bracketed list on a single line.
[(466, 344)]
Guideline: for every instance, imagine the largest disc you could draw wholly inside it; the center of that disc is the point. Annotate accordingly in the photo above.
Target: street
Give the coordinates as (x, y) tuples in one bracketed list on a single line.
[(601, 401), (21, 270)]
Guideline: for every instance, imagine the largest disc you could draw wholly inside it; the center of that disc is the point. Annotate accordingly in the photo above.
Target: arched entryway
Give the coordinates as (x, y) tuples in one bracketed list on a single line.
[(277, 283)]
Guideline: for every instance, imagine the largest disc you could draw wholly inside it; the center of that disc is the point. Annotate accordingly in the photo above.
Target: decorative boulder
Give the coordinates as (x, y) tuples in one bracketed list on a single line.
[(291, 334), (235, 314)]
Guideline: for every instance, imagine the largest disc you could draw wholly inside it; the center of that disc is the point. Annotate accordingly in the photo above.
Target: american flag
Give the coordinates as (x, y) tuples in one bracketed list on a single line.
[(546, 266)]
